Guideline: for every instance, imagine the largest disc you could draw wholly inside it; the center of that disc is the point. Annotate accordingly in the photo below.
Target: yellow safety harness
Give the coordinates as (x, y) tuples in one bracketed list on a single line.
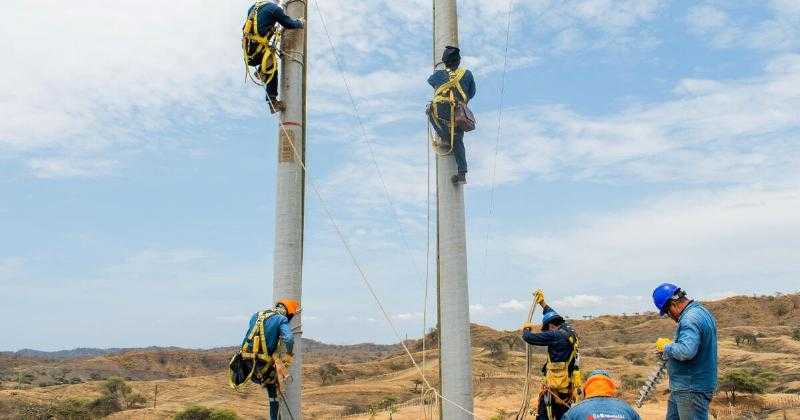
[(254, 44), (446, 94), (559, 381), (255, 350)]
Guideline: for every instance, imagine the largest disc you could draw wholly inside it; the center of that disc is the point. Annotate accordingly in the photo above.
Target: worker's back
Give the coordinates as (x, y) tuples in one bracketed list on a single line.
[(601, 408)]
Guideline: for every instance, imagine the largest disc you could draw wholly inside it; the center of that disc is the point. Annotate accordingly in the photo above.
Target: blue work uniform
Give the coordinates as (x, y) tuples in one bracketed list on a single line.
[(692, 364), (276, 327), (268, 15), (601, 408), (559, 348), (442, 126)]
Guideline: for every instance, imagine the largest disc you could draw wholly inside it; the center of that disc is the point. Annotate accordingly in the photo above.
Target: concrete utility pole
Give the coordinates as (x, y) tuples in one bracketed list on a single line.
[(455, 367), (290, 198)]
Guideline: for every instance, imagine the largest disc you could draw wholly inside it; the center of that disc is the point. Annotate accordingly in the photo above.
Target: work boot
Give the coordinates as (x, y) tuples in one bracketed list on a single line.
[(276, 105), (460, 178)]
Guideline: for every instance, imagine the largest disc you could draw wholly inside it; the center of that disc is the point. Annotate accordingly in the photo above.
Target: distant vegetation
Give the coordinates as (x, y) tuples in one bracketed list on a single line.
[(116, 396), (197, 412), (328, 373), (750, 381)]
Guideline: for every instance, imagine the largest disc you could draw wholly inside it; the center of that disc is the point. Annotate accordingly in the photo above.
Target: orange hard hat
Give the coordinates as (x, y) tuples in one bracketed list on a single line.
[(599, 384), (292, 306)]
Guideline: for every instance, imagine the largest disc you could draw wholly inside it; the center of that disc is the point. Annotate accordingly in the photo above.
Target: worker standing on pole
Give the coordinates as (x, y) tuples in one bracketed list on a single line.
[(562, 384), (258, 45), (692, 357), (453, 88), (259, 360)]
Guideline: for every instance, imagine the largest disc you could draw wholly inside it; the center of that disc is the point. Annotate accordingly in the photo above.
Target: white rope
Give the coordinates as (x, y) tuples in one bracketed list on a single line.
[(366, 139), (354, 260), (490, 212)]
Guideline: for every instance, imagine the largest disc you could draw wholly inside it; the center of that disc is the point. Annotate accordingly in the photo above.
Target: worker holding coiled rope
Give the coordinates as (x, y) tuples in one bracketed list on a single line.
[(260, 45), (562, 382)]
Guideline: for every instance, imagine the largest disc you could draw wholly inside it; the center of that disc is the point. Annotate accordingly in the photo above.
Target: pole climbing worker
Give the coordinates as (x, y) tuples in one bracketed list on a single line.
[(453, 88), (600, 402), (266, 351), (259, 47), (692, 357), (562, 382)]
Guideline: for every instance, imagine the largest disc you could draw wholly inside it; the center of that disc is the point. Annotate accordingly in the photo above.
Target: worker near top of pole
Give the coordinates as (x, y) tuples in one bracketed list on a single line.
[(692, 357), (266, 14), (454, 88), (562, 383), (600, 400), (259, 359)]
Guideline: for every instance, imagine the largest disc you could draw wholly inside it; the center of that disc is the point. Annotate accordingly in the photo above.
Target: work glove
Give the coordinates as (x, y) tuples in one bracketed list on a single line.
[(527, 326), (661, 344), (538, 296), (302, 22)]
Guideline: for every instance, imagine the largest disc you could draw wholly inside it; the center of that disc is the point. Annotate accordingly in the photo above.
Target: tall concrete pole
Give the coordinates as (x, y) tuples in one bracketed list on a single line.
[(455, 367), (290, 203)]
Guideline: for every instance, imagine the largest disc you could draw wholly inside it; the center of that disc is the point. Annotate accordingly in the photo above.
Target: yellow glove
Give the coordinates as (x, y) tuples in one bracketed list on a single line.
[(538, 296), (528, 326), (661, 344)]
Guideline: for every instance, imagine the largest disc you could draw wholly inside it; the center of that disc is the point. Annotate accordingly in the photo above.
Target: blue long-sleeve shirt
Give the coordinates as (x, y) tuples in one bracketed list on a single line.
[(440, 77), (601, 408), (558, 346), (271, 13), (692, 357), (275, 327)]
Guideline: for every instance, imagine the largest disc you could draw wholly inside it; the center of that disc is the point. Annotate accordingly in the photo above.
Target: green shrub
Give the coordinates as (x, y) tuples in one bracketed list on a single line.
[(70, 409), (198, 412), (632, 382), (796, 334)]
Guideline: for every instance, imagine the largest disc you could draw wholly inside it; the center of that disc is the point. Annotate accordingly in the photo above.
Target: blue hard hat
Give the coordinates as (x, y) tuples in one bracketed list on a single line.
[(549, 316), (662, 294), (598, 372)]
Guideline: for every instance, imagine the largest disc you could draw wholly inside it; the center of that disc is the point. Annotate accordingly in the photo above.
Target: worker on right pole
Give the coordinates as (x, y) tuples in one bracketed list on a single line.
[(692, 357), (562, 383), (448, 111)]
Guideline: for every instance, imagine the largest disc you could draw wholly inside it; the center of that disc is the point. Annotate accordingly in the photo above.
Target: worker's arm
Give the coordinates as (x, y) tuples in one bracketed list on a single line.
[(545, 338), (436, 79), (687, 343), (285, 20), (288, 336), (469, 85), (250, 328)]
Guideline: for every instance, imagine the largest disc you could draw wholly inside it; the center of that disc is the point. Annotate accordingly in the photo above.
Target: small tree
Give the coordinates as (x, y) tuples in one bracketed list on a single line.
[(743, 382), (417, 382), (498, 350), (328, 373)]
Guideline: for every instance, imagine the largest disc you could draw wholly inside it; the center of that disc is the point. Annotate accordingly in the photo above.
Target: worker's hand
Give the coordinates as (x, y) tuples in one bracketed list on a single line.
[(302, 22), (661, 344), (287, 359), (538, 297), (527, 326)]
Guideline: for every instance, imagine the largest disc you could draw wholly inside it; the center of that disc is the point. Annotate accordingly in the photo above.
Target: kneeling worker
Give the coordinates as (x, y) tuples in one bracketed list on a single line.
[(562, 384), (692, 358), (600, 402), (260, 359)]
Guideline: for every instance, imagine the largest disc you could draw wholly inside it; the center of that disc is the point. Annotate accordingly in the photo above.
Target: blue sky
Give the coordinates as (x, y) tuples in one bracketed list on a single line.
[(642, 140)]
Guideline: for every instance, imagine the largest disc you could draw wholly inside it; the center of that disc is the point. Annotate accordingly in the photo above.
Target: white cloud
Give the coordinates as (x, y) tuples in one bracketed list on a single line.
[(63, 167), (707, 241), (723, 29), (512, 305)]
